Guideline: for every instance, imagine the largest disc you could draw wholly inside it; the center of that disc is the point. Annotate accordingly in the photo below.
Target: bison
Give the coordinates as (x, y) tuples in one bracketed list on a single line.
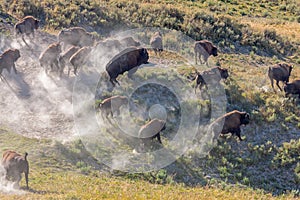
[(8, 59), (50, 57), (232, 122), (150, 131), (64, 59), (292, 88), (204, 48), (127, 60), (26, 26), (76, 36), (279, 72), (129, 42), (79, 58), (156, 42), (212, 75), (14, 165), (112, 104)]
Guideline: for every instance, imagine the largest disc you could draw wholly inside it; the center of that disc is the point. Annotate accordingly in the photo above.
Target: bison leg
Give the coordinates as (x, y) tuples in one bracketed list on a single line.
[(277, 83), (272, 84), (14, 68), (237, 132), (158, 138), (26, 179)]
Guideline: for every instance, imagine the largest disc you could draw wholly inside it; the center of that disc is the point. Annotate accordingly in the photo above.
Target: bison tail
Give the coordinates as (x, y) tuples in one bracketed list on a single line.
[(25, 156)]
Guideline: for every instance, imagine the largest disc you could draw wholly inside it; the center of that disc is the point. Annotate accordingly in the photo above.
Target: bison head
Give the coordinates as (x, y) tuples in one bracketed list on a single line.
[(214, 51), (289, 89), (245, 118), (223, 72), (144, 56), (16, 54), (36, 24)]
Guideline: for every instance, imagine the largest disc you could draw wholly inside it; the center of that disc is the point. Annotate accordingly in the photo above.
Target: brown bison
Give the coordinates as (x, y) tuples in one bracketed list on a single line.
[(27, 25), (50, 57), (127, 60), (14, 165), (107, 48), (292, 88), (150, 131), (76, 36), (213, 75), (65, 59), (79, 58), (156, 42), (112, 104), (279, 72), (204, 48), (129, 42), (232, 122), (8, 59)]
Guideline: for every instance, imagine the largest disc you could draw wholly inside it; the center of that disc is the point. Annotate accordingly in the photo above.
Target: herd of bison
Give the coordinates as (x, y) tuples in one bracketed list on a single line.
[(72, 51)]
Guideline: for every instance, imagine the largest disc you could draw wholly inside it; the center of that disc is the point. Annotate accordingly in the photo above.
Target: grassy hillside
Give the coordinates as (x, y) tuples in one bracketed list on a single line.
[(251, 35)]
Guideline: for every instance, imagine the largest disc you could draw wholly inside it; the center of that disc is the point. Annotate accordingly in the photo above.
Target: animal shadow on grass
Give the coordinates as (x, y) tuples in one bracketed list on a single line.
[(31, 190), (22, 89)]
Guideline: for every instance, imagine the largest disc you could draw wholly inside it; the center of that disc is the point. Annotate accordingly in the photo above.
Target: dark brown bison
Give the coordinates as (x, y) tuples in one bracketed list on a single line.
[(80, 58), (292, 88), (50, 58), (156, 42), (129, 42), (232, 122), (127, 60), (76, 36), (279, 72), (27, 25), (213, 75), (112, 104), (14, 165), (8, 59), (204, 48), (65, 59), (150, 131)]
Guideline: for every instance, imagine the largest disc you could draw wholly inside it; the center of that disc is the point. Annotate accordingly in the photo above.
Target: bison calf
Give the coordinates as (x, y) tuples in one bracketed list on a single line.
[(204, 48), (279, 72), (8, 59), (112, 104), (292, 88), (14, 165), (150, 131), (127, 60), (232, 122)]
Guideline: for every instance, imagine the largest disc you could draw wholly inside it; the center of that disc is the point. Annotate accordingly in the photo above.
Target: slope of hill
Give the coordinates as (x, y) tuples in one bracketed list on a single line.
[(250, 36)]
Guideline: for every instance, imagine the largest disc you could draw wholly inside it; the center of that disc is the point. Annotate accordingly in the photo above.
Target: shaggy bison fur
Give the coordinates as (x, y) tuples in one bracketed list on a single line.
[(79, 58), (204, 48), (150, 131), (76, 36), (213, 75), (127, 60), (14, 165), (156, 42), (112, 104), (232, 122), (27, 25), (50, 57), (292, 88), (8, 59), (279, 72)]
